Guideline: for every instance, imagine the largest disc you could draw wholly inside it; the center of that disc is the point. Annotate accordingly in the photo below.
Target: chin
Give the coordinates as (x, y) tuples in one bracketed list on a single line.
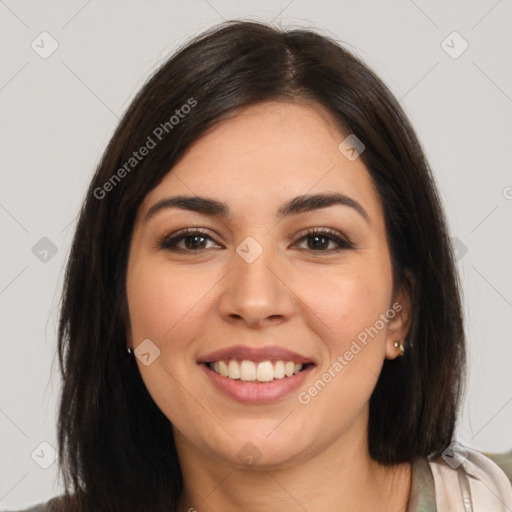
[(260, 449)]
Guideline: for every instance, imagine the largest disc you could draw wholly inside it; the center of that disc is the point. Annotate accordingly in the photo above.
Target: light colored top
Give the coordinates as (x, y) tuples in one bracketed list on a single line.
[(468, 481), (464, 480)]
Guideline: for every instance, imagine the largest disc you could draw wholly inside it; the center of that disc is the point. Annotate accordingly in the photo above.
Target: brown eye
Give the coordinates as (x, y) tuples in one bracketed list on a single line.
[(318, 241), (191, 240)]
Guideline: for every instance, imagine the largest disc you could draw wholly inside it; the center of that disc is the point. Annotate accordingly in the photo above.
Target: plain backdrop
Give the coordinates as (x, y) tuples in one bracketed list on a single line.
[(58, 112)]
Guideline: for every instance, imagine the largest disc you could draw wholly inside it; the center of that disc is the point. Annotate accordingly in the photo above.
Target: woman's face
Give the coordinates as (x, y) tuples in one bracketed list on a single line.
[(252, 289)]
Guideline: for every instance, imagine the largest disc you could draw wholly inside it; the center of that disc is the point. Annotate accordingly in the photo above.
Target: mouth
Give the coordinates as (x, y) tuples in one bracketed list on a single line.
[(256, 376)]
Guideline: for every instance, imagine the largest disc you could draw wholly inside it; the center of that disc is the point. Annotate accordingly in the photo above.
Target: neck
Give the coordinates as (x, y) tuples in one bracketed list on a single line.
[(342, 477)]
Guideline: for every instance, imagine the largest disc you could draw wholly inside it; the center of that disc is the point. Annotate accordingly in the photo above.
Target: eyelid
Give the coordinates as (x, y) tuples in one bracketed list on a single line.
[(169, 241), (343, 242), (168, 237)]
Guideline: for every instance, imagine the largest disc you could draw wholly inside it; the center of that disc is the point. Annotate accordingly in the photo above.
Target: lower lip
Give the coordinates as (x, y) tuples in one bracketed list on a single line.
[(257, 393)]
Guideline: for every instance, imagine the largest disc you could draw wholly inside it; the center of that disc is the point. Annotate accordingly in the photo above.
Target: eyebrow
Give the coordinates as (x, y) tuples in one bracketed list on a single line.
[(299, 204)]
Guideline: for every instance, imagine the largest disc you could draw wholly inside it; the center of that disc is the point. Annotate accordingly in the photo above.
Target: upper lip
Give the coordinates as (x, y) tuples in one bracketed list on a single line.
[(241, 352)]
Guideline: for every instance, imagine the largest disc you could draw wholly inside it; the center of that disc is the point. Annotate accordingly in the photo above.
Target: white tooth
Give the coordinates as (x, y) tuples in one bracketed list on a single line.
[(265, 371), (279, 370), (233, 370), (223, 368), (247, 370)]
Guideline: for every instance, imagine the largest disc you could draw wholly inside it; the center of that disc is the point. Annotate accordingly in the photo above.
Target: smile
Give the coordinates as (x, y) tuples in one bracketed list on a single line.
[(256, 375)]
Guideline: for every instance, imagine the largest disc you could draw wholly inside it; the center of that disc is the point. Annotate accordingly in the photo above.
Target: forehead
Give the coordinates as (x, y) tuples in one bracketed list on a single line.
[(263, 155)]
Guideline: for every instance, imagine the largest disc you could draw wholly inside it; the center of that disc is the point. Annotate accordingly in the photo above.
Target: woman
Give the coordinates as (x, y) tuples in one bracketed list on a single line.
[(261, 309)]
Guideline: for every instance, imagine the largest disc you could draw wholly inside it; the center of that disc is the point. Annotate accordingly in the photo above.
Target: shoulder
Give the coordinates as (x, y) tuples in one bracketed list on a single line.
[(503, 460), (464, 475)]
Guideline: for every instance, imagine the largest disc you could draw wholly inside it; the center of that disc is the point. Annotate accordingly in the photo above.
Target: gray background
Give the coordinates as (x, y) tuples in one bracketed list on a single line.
[(58, 114)]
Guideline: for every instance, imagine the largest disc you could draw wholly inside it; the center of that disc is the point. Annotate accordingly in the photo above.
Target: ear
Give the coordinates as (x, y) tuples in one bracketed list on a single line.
[(399, 325)]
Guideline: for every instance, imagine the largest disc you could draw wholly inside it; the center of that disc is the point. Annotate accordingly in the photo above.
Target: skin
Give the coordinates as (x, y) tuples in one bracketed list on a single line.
[(313, 301)]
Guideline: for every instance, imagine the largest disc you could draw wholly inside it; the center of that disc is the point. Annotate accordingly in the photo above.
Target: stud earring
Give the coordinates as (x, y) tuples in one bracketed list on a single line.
[(400, 346), (129, 350)]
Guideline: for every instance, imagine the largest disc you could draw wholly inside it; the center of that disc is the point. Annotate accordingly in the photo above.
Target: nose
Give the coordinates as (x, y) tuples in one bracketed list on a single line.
[(257, 294)]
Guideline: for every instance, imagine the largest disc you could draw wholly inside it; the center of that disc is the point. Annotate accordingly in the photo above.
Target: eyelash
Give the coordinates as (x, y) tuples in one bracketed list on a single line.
[(169, 242)]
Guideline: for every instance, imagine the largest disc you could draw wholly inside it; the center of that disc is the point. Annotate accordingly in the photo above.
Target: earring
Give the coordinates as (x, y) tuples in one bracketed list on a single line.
[(129, 350), (400, 346)]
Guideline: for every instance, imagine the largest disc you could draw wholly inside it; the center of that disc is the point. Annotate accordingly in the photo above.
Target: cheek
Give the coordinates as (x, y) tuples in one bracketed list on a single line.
[(348, 305), (345, 302), (163, 304), (166, 307)]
